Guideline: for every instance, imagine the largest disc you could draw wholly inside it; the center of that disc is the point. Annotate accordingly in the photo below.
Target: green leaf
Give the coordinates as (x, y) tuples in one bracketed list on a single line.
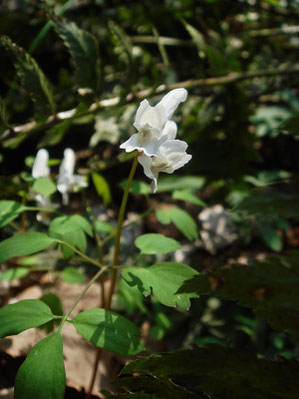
[(55, 305), (216, 372), (109, 330), (122, 41), (72, 275), (44, 185), (71, 229), (102, 187), (22, 315), (269, 287), (159, 388), (14, 273), (42, 375), (84, 49), (185, 195), (170, 183), (9, 210), (130, 298), (156, 244), (3, 112), (181, 219), (32, 78), (137, 187), (163, 280), (23, 244)]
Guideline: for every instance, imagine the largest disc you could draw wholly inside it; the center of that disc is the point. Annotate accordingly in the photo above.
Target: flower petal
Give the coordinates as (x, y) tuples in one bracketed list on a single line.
[(67, 165), (169, 132), (147, 163), (172, 100), (132, 144), (40, 166), (146, 115)]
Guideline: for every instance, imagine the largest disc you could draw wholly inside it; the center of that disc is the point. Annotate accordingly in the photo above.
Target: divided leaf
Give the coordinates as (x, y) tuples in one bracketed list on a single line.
[(9, 210), (23, 244), (72, 229), (269, 287), (109, 330), (42, 374), (32, 77), (215, 371), (163, 280), (84, 49), (181, 219), (55, 305), (156, 244), (22, 315)]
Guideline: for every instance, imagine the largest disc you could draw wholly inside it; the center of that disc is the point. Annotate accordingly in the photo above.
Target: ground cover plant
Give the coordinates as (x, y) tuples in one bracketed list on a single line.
[(149, 152)]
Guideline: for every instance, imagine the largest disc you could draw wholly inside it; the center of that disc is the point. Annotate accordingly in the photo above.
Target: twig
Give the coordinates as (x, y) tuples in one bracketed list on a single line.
[(232, 77)]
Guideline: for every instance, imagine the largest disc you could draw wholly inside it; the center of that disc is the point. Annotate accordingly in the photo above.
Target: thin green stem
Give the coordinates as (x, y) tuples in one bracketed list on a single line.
[(119, 230), (78, 299), (81, 254), (115, 264)]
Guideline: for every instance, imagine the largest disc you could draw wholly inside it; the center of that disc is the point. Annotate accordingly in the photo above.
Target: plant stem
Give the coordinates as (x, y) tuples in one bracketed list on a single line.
[(115, 263), (81, 254), (78, 299), (119, 230)]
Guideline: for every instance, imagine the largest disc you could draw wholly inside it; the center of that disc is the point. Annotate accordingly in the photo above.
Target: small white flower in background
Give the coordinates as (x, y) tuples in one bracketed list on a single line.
[(150, 122), (156, 137), (67, 181), (40, 168), (40, 165)]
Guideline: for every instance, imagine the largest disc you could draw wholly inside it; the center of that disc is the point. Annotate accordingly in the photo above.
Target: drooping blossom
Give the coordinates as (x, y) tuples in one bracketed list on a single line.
[(67, 180), (150, 123), (155, 139), (171, 155)]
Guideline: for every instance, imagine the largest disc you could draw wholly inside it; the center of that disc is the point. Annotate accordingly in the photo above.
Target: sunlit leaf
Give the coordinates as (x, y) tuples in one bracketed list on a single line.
[(109, 330), (22, 315), (163, 280), (42, 375), (182, 220), (156, 244)]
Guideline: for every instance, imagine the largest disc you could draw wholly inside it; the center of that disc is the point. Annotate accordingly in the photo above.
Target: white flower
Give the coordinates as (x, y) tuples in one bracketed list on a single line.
[(171, 155), (41, 169), (40, 166), (67, 181), (150, 123)]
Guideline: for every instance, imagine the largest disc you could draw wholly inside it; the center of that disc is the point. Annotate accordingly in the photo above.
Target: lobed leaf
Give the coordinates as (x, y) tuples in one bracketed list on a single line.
[(109, 330), (163, 280), (22, 315), (72, 229), (218, 372), (42, 375), (269, 287)]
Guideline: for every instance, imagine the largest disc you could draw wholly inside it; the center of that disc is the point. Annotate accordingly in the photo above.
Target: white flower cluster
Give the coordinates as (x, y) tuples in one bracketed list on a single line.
[(67, 181), (155, 139)]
